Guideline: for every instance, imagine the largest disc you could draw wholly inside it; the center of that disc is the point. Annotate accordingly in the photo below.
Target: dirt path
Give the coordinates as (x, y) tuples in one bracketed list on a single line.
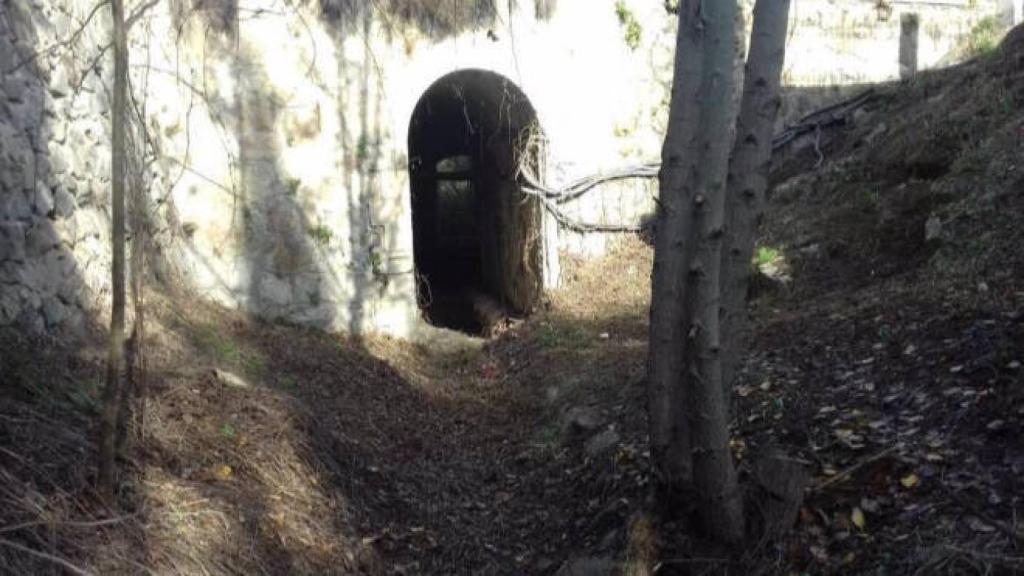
[(452, 462)]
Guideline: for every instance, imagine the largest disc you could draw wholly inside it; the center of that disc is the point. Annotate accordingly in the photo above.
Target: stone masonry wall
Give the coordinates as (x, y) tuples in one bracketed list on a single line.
[(54, 176)]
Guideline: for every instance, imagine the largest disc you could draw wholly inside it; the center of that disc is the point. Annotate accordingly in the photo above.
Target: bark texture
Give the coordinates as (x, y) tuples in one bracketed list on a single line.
[(748, 174), (718, 496), (689, 434), (105, 481), (674, 247)]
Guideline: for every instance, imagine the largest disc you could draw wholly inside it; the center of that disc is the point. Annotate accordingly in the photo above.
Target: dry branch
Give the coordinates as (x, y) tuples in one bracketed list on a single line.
[(855, 467), (831, 115), (49, 557), (552, 199)]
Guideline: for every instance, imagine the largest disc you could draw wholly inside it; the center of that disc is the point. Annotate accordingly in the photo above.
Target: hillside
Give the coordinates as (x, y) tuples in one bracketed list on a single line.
[(888, 344)]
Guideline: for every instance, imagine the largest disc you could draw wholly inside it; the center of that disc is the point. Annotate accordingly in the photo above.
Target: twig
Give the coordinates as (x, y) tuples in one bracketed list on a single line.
[(570, 223), (85, 72), (49, 557), (847, 472), (139, 13), (72, 523)]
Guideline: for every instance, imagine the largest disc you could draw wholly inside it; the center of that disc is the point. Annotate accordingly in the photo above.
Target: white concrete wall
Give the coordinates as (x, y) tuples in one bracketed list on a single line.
[(1012, 11)]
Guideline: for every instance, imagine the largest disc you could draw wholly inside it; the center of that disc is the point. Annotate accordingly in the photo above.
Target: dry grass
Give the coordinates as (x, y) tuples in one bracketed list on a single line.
[(221, 480), (617, 285)]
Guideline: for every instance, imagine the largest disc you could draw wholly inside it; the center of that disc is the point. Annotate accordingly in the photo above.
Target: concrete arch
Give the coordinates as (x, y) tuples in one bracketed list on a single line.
[(476, 236)]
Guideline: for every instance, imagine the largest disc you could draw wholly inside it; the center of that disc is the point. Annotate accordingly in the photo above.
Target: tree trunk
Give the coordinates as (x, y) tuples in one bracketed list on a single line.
[(688, 426), (718, 496), (105, 481), (748, 175), (675, 244)]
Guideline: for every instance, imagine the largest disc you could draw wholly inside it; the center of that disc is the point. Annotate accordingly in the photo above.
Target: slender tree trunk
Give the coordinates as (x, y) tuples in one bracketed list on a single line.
[(118, 115), (719, 501), (748, 174), (136, 366), (688, 426), (675, 244)]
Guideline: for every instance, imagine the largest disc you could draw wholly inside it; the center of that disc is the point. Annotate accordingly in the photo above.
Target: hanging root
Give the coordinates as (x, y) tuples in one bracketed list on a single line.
[(532, 145)]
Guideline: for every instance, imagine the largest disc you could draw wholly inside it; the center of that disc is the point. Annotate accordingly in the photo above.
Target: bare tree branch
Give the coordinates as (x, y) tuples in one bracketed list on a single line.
[(139, 13), (48, 557)]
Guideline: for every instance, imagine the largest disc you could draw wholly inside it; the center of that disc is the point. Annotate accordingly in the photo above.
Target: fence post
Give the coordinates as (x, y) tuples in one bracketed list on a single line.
[(909, 25)]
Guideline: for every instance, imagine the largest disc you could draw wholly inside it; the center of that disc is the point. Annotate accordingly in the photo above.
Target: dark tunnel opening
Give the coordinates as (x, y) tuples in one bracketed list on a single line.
[(476, 234)]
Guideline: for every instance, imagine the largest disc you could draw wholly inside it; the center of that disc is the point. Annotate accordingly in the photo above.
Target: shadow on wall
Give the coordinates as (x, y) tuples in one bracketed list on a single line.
[(285, 277), (282, 254), (295, 269), (360, 159)]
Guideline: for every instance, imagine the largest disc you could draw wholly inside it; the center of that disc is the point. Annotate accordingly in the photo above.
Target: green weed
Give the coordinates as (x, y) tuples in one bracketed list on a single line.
[(632, 29), (555, 336), (985, 36), (766, 255), (320, 234), (227, 351)]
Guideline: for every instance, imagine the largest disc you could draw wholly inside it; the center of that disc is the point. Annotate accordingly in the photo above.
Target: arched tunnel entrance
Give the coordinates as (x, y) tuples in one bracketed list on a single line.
[(476, 235)]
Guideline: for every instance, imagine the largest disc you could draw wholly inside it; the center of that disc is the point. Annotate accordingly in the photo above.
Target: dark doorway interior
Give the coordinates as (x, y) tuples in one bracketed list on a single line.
[(476, 235)]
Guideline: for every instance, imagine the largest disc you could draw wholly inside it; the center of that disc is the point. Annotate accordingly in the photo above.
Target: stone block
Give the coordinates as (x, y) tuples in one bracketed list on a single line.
[(14, 205), (12, 241), (11, 139), (60, 86), (40, 239), (54, 312), (274, 291), (63, 203), (70, 290), (8, 55), (42, 202), (23, 169), (15, 89), (25, 115), (58, 159), (10, 305), (30, 321), (43, 277)]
